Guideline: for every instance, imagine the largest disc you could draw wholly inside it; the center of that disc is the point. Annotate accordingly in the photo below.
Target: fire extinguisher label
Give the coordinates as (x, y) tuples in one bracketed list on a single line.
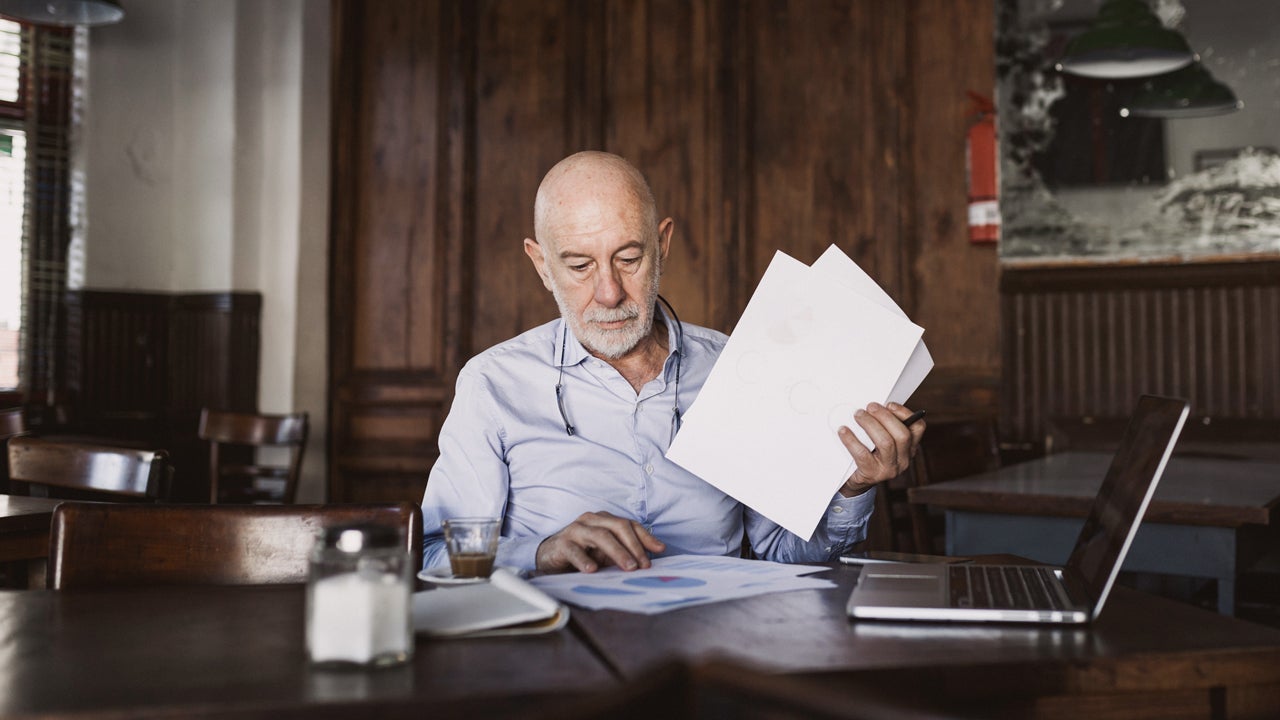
[(984, 213)]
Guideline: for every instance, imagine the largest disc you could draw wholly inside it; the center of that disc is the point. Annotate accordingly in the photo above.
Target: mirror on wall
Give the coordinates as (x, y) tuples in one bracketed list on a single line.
[(1183, 165)]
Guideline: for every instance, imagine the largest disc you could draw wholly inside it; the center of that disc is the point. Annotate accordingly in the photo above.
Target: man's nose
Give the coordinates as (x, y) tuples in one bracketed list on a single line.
[(609, 292)]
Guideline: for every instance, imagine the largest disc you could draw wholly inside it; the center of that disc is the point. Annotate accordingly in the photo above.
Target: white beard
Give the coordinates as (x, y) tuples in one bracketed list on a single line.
[(612, 344)]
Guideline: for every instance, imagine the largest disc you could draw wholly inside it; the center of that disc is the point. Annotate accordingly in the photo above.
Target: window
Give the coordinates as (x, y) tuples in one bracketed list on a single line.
[(13, 143)]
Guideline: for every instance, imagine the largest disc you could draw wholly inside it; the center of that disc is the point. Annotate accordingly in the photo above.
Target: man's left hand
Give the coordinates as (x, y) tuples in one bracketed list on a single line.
[(895, 446)]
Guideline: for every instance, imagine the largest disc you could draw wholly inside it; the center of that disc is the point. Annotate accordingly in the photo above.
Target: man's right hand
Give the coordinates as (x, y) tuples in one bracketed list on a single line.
[(595, 540)]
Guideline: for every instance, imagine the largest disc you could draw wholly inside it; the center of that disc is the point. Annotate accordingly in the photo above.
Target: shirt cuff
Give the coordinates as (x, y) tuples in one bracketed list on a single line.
[(519, 553), (847, 512)]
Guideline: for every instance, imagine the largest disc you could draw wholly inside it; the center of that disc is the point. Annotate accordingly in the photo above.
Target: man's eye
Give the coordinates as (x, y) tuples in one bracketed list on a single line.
[(578, 268), (630, 261)]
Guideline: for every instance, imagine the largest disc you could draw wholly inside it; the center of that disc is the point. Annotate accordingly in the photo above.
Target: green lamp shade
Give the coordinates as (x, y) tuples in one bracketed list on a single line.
[(1126, 40), (63, 12), (1191, 92)]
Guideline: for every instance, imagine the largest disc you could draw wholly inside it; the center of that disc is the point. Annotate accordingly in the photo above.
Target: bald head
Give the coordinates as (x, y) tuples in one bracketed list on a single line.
[(588, 180)]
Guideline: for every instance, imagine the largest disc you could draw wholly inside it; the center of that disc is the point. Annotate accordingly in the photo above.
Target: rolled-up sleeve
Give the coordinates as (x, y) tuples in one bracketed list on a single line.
[(470, 478)]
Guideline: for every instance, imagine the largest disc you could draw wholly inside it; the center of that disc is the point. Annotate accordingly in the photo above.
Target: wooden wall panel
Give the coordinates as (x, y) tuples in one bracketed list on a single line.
[(666, 109), (952, 286), (141, 366), (761, 124), (525, 61), (1087, 341), (829, 79)]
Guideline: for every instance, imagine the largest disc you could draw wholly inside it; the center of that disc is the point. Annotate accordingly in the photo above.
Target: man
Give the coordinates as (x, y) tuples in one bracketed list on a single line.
[(561, 431)]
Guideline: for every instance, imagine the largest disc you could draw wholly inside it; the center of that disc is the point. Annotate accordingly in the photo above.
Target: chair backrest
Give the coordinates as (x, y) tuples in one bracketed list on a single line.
[(951, 448), (956, 448), (95, 545), (232, 480), (87, 470), (11, 423)]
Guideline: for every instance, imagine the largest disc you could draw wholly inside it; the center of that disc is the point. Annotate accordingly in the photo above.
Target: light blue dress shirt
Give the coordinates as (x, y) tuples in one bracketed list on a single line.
[(504, 453)]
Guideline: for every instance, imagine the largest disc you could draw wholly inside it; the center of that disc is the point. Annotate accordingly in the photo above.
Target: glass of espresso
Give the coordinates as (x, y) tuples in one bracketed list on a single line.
[(472, 544)]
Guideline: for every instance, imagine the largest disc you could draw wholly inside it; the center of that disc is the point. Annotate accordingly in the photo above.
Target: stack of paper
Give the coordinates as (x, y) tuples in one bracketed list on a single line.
[(814, 345), (678, 581)]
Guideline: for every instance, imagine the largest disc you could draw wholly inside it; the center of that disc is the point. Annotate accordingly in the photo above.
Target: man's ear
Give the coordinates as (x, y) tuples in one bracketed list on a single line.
[(665, 230), (534, 251)]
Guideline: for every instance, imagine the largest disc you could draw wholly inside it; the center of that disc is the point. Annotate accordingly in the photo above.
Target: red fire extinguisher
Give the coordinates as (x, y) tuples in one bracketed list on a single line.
[(982, 162)]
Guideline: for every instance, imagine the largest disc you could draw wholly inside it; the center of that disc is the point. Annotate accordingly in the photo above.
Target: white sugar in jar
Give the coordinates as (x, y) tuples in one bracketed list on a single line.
[(358, 598)]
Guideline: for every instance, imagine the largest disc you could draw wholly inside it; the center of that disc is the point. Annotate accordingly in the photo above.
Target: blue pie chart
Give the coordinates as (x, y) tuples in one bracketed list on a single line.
[(589, 590), (664, 581)]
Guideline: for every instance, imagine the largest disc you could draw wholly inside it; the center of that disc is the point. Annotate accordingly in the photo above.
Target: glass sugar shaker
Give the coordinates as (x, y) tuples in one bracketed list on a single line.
[(358, 597)]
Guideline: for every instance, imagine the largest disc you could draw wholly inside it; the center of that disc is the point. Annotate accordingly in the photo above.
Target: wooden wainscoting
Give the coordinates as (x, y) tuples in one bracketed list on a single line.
[(1086, 341), (140, 366)]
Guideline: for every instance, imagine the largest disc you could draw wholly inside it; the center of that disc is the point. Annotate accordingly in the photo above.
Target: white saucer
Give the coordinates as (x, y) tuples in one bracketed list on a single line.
[(444, 576)]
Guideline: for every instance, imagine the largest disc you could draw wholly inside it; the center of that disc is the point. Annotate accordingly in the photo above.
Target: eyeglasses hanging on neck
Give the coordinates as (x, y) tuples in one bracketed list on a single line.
[(675, 399)]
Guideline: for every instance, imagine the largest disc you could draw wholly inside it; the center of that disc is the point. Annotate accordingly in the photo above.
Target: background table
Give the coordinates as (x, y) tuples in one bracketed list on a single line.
[(1209, 516), (24, 536)]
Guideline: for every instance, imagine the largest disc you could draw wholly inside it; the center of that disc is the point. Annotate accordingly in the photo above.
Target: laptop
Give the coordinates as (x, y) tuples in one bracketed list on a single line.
[(1073, 594)]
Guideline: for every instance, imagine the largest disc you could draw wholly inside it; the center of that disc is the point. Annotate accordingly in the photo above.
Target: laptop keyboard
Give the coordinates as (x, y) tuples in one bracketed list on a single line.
[(1003, 587)]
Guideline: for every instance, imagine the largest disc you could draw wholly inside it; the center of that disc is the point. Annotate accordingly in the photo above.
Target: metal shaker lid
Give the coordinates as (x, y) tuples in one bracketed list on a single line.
[(358, 538)]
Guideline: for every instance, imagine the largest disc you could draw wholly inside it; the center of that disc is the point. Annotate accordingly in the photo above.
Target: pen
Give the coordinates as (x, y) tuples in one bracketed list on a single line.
[(855, 560), (913, 417)]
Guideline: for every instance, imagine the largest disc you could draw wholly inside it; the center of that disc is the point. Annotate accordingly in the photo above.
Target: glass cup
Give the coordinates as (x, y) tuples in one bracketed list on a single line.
[(472, 544)]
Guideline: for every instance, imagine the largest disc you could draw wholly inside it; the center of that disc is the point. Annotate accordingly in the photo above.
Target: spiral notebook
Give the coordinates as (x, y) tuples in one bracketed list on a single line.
[(506, 605)]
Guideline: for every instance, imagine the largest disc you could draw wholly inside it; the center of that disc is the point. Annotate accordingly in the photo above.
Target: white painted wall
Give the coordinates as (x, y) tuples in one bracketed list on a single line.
[(205, 149)]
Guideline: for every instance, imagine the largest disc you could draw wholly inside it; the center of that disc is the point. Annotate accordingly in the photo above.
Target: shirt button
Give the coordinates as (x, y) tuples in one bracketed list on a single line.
[(837, 509), (649, 468), (828, 548)]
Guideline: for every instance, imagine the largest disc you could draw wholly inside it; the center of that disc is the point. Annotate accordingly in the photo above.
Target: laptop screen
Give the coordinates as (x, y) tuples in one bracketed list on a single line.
[(1122, 500)]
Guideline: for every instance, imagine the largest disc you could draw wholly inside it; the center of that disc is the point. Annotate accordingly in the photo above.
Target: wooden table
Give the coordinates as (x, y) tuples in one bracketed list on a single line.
[(1209, 516), (1144, 651), (191, 651), (24, 527), (239, 652), (24, 536)]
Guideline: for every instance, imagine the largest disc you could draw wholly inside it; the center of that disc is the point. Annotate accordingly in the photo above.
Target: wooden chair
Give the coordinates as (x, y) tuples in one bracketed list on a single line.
[(93, 545), (77, 470), (231, 480), (890, 528), (952, 448), (11, 424)]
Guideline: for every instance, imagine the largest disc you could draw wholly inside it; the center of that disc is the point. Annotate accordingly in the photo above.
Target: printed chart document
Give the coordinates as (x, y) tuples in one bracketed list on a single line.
[(506, 605), (814, 345), (678, 581)]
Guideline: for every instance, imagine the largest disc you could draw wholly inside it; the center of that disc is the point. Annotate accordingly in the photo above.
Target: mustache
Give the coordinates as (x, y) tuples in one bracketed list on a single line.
[(628, 311)]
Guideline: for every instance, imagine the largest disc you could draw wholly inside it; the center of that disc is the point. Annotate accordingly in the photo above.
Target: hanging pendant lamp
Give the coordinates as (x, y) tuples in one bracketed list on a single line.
[(63, 13), (1191, 92), (1126, 40)]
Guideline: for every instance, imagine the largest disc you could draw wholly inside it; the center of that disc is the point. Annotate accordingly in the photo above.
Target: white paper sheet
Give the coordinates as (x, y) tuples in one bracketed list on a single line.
[(840, 267), (808, 352), (677, 582)]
